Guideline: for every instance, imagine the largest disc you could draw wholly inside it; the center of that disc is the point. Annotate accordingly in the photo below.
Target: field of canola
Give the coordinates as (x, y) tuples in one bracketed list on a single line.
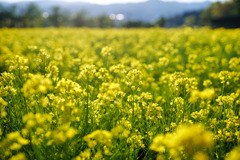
[(117, 94)]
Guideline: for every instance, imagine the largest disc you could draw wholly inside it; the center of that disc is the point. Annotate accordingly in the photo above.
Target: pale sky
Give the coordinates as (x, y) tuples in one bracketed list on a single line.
[(118, 1)]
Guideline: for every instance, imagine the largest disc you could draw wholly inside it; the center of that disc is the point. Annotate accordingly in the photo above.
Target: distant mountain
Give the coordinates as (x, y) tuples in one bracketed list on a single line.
[(145, 11)]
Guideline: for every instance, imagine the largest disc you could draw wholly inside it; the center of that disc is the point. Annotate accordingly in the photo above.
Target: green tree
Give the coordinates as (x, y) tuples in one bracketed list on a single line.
[(8, 16), (190, 20), (225, 14), (32, 17), (237, 3), (104, 21), (55, 17), (161, 22), (220, 10), (65, 18), (79, 19)]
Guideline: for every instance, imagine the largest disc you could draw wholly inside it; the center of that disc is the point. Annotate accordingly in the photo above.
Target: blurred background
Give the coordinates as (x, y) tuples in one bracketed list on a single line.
[(117, 14)]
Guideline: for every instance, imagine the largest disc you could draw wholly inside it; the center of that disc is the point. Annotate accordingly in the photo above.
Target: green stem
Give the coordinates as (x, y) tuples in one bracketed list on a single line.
[(223, 89), (133, 119), (86, 107)]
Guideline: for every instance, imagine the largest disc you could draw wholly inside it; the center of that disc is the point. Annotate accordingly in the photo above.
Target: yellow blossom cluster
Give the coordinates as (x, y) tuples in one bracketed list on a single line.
[(179, 82), (13, 142), (66, 87), (208, 93), (36, 84), (234, 154), (17, 63), (225, 100), (61, 134), (185, 142), (136, 140), (234, 63), (6, 84), (98, 137), (2, 107)]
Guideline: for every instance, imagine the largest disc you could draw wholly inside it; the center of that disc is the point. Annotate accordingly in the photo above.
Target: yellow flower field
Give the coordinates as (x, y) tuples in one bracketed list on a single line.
[(119, 94)]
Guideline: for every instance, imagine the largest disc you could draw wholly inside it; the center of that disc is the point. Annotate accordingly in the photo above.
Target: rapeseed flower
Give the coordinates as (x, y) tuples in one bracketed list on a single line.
[(36, 84)]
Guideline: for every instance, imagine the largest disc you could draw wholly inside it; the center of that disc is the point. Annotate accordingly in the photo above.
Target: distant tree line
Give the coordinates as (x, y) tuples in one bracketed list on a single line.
[(225, 14), (219, 14), (33, 16)]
